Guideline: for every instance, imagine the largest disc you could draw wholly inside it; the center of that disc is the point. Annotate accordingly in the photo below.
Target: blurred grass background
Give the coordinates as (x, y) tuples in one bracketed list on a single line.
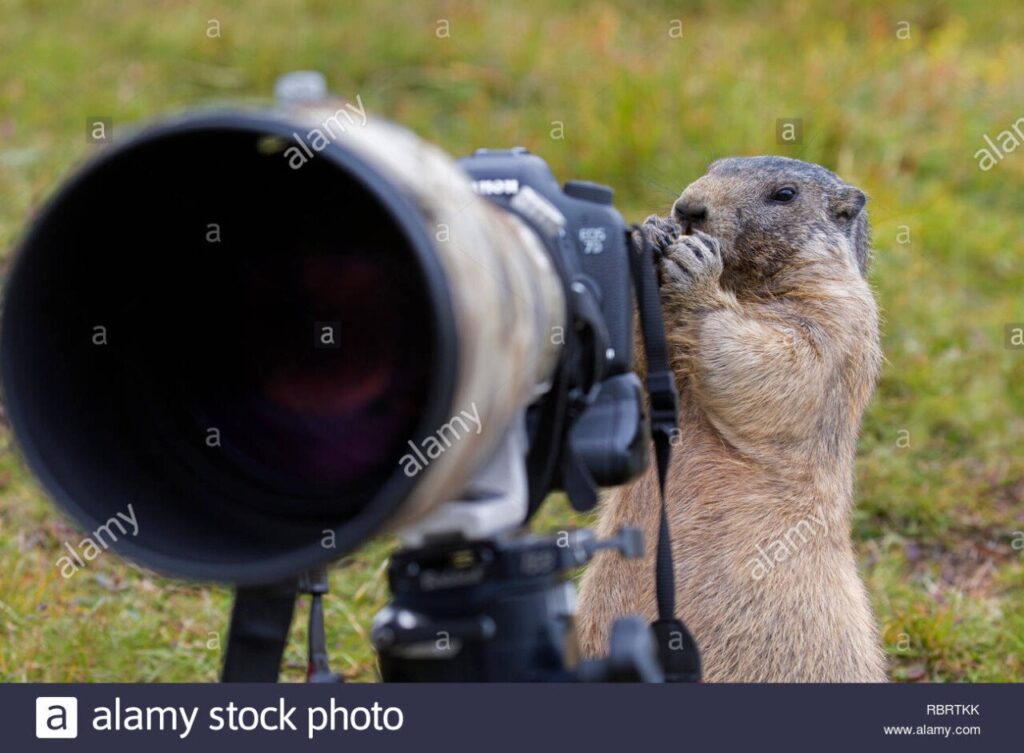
[(895, 96)]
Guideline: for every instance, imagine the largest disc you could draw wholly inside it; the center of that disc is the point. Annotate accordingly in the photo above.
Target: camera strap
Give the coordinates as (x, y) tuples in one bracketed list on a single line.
[(677, 650)]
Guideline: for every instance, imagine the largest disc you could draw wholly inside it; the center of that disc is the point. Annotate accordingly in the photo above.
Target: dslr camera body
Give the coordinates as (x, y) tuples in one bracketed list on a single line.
[(587, 240)]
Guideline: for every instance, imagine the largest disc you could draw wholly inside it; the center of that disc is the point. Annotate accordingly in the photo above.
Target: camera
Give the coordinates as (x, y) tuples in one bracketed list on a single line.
[(272, 334), (587, 237)]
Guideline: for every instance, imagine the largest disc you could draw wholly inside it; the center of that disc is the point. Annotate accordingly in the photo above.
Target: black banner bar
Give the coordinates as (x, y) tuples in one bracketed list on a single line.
[(514, 718)]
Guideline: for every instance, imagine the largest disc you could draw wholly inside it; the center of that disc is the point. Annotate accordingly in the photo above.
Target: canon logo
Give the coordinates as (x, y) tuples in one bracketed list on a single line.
[(496, 187)]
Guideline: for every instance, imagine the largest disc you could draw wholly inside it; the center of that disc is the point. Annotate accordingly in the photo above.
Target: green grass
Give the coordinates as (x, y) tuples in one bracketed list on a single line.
[(941, 472)]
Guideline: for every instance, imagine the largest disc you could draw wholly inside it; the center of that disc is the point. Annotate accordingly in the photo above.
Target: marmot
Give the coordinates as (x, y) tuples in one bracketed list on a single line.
[(773, 334)]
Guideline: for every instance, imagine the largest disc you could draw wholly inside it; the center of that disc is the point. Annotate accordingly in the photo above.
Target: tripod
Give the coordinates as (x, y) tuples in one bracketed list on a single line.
[(494, 610)]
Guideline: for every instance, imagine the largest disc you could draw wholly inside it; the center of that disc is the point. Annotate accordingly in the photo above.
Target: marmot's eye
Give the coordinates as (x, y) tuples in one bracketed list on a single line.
[(784, 194)]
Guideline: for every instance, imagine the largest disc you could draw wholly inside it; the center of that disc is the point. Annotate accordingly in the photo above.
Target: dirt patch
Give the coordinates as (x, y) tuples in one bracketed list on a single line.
[(971, 565)]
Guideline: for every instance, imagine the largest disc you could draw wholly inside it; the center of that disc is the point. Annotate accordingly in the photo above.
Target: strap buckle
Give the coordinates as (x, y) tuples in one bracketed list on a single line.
[(661, 386)]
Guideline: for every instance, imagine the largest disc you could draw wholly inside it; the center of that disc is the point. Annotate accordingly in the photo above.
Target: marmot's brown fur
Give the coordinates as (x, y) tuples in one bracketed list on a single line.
[(774, 337)]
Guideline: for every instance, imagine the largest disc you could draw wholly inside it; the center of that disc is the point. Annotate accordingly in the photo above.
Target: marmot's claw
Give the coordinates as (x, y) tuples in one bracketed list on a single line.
[(693, 263)]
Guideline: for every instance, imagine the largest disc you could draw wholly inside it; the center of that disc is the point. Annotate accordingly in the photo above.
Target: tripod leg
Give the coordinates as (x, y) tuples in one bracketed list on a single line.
[(260, 620)]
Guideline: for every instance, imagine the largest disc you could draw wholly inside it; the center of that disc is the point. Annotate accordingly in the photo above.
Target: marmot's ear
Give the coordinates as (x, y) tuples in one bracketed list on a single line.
[(847, 207), (847, 202)]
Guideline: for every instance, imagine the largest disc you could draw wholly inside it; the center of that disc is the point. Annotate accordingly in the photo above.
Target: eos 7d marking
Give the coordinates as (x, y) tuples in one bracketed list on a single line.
[(592, 239)]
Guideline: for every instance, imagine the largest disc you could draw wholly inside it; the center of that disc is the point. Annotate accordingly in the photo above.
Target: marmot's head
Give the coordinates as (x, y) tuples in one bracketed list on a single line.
[(774, 213)]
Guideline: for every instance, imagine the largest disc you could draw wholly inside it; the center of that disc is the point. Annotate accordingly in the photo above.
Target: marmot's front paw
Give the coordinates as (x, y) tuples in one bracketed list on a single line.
[(692, 267), (660, 232)]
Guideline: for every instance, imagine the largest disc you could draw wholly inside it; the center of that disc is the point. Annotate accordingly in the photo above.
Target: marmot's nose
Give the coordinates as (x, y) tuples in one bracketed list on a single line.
[(688, 211)]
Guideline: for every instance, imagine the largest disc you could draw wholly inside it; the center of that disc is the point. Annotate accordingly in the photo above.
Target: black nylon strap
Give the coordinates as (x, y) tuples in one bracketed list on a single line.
[(680, 657), (260, 619), (665, 576), (661, 387)]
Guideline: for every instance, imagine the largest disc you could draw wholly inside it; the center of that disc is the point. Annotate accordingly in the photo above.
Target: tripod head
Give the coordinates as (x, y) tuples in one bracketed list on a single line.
[(502, 610)]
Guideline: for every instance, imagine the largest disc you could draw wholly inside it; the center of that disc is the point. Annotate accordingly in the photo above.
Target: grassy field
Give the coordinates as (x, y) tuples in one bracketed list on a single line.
[(896, 96)]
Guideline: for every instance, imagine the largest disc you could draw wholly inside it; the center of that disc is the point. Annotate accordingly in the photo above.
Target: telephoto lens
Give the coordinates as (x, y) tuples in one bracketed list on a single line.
[(236, 323)]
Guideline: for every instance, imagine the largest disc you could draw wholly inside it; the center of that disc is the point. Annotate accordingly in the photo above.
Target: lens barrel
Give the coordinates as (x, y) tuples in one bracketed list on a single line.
[(267, 335)]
